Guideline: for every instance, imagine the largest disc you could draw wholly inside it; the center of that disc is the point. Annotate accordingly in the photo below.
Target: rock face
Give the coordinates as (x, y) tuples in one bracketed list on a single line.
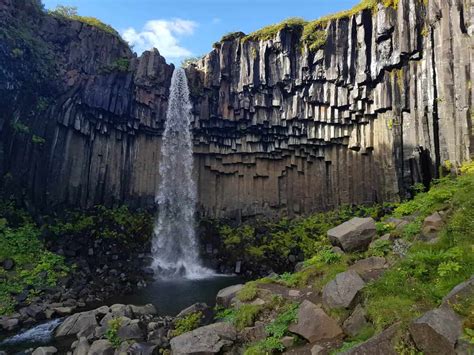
[(342, 292), (437, 331), (210, 339), (225, 296), (277, 130), (314, 324), (353, 235)]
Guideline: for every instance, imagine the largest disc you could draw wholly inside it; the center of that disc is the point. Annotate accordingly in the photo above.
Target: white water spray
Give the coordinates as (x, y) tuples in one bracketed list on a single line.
[(175, 250)]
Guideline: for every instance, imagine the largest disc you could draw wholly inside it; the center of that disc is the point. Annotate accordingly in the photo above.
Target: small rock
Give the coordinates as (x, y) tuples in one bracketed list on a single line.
[(294, 293), (353, 235), (63, 311), (225, 296), (287, 341), (356, 322), (371, 268), (9, 324), (49, 350), (314, 324), (82, 347), (343, 290), (337, 250), (299, 266), (254, 334), (436, 331), (142, 349), (148, 309), (432, 225), (317, 350), (8, 264)]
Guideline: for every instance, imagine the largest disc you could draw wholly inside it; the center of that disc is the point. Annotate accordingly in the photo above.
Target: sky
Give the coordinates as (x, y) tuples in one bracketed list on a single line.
[(181, 29)]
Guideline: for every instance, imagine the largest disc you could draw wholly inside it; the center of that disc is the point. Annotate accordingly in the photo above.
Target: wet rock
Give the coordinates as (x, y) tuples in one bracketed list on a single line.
[(353, 235), (101, 347), (45, 350), (314, 324), (356, 322), (342, 292), (436, 331), (210, 339), (225, 296), (370, 268), (78, 323), (383, 343)]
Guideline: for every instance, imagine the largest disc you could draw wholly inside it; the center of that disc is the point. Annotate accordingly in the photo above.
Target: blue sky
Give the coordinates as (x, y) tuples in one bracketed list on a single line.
[(184, 28)]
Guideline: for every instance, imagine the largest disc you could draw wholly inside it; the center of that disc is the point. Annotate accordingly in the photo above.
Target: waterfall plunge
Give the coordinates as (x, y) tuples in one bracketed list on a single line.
[(175, 249)]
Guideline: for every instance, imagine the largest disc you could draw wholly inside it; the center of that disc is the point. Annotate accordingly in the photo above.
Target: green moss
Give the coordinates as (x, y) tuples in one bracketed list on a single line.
[(248, 293), (269, 32), (70, 12), (186, 324), (38, 140), (246, 315), (19, 127)]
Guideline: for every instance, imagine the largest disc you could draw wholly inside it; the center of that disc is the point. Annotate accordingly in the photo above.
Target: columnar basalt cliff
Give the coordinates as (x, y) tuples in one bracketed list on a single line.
[(378, 108), (278, 129)]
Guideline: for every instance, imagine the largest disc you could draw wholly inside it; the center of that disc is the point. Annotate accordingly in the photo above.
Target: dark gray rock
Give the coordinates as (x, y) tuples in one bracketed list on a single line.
[(342, 292), (101, 347), (353, 235), (78, 323), (381, 344), (371, 268), (356, 322), (437, 331), (314, 324), (142, 349), (225, 296), (49, 350)]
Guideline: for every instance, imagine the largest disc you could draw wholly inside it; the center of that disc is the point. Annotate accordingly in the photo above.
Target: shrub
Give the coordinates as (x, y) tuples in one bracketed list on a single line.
[(269, 32), (248, 293), (186, 324), (112, 332), (246, 315)]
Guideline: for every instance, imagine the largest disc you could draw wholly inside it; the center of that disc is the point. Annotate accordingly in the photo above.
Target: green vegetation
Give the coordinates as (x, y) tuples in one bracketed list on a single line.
[(38, 140), (19, 127), (112, 332), (121, 65), (269, 32), (186, 324), (70, 12), (246, 315), (248, 293), (35, 268), (429, 271), (314, 36), (275, 331)]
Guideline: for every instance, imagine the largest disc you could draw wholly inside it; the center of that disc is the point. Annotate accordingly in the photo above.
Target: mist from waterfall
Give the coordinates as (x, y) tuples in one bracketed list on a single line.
[(175, 249)]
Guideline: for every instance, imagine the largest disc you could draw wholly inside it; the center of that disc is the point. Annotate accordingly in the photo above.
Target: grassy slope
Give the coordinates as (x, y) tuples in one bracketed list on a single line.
[(413, 285)]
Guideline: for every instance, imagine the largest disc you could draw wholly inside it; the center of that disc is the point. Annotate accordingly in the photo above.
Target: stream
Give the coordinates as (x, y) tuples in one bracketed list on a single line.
[(168, 296)]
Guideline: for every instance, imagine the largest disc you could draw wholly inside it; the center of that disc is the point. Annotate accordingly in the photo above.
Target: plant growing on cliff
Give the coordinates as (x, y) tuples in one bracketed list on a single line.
[(269, 32)]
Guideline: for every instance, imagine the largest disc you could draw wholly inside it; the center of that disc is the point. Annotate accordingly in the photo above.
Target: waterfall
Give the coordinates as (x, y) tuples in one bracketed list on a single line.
[(175, 249)]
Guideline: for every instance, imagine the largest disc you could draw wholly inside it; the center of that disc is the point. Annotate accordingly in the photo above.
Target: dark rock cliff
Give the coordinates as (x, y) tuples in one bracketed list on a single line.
[(278, 129)]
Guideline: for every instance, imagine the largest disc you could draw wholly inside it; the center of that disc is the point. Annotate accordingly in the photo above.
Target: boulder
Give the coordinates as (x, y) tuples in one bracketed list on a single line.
[(131, 330), (82, 347), (287, 341), (353, 235), (101, 347), (142, 349), (225, 296), (9, 324), (63, 311), (253, 334), (121, 310), (197, 307), (356, 322), (314, 324), (436, 331), (342, 292), (210, 339), (460, 293), (78, 324), (317, 350), (432, 225), (145, 310), (370, 268), (45, 350), (381, 344)]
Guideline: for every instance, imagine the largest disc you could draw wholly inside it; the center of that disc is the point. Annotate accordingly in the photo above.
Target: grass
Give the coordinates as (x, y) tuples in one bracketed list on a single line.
[(246, 315), (186, 324), (269, 32), (429, 271), (248, 293)]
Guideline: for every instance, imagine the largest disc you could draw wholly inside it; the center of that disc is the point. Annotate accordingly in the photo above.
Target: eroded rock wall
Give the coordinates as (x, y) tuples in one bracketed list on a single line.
[(382, 105)]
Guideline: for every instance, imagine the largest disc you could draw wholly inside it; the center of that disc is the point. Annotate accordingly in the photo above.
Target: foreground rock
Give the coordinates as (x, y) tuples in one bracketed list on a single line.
[(314, 324), (459, 293), (342, 292), (356, 322), (225, 296), (382, 344), (371, 268), (437, 331), (49, 350), (353, 235), (210, 339)]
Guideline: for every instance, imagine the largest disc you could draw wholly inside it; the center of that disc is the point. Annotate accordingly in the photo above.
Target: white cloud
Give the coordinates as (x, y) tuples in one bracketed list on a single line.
[(163, 35)]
